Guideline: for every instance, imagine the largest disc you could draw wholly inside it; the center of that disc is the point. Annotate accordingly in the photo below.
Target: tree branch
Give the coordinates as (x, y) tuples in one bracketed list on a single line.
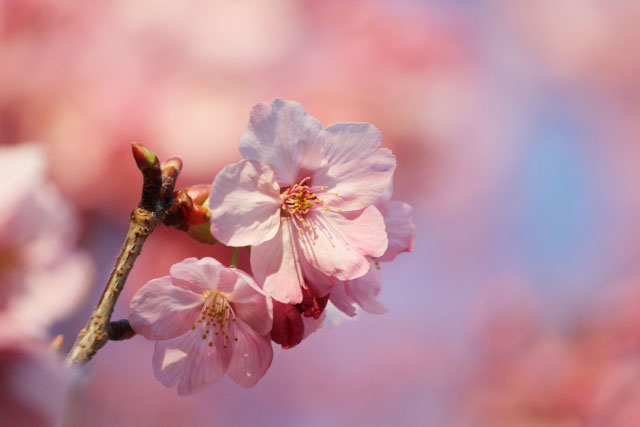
[(157, 187)]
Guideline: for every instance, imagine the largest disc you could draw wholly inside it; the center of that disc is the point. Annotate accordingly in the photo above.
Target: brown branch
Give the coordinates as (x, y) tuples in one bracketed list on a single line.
[(158, 184)]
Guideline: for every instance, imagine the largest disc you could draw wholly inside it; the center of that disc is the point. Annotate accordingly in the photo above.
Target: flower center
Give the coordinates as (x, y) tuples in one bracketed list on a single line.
[(301, 198), (217, 318)]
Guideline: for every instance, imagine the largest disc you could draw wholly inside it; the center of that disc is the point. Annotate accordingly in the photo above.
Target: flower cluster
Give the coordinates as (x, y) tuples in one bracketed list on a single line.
[(314, 206)]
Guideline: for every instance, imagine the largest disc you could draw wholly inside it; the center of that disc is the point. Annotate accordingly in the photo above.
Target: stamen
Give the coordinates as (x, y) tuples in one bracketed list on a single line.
[(299, 199), (217, 312)]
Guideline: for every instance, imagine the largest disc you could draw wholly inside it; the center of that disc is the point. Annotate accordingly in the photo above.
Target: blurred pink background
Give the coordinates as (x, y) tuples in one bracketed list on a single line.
[(515, 126)]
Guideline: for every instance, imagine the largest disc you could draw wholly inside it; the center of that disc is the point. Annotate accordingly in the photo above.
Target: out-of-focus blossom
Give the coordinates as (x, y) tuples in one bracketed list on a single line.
[(208, 320), (33, 381), (43, 276), (303, 198), (585, 374), (43, 279)]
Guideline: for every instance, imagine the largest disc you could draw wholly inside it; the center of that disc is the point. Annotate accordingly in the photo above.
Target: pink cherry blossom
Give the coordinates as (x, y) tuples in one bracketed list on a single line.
[(207, 319), (303, 198)]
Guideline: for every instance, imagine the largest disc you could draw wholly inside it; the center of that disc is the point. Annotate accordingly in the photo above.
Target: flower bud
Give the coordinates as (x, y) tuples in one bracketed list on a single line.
[(145, 158), (190, 212), (171, 167)]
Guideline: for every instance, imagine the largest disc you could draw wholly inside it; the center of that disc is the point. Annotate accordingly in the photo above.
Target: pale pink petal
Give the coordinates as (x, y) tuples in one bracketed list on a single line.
[(161, 310), (283, 136), (341, 300), (400, 229), (319, 284), (198, 275), (363, 230), (365, 289), (252, 356), (188, 362), (245, 204), (355, 168), (337, 244), (276, 266), (386, 196), (251, 305)]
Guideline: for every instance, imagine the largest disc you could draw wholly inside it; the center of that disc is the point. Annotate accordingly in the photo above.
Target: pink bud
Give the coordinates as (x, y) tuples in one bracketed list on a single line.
[(172, 167), (145, 158)]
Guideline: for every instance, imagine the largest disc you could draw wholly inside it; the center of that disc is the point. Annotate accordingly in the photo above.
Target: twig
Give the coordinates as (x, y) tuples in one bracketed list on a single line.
[(157, 189)]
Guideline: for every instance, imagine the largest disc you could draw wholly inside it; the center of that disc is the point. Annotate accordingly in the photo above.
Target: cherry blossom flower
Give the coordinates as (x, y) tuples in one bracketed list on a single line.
[(303, 199), (208, 320)]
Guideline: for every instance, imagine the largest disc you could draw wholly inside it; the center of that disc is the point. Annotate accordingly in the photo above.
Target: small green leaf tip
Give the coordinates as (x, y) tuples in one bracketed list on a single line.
[(145, 158)]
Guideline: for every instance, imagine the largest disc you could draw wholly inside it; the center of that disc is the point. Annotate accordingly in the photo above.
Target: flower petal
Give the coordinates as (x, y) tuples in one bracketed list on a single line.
[(276, 266), (364, 289), (198, 275), (283, 136), (251, 305), (252, 356), (355, 168), (188, 362), (400, 229), (319, 284), (163, 311), (245, 204), (337, 244), (341, 300)]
